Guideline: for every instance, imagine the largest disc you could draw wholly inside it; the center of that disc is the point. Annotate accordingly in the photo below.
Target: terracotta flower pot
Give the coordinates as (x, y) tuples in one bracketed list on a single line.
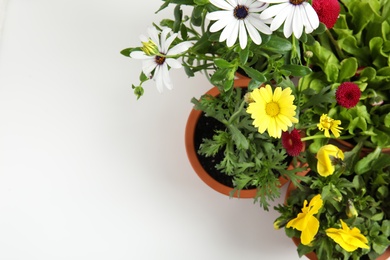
[(193, 157), (312, 255), (347, 146)]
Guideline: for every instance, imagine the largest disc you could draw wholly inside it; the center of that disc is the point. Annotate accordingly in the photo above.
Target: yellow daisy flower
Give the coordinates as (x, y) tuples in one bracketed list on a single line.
[(306, 222), (349, 239), (272, 111), (326, 123)]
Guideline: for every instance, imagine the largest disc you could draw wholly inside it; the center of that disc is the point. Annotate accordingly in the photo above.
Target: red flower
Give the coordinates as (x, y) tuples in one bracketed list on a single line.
[(292, 142), (348, 94), (327, 10)]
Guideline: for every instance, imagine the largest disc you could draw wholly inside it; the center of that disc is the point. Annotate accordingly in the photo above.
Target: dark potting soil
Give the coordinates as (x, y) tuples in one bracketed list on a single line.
[(205, 129)]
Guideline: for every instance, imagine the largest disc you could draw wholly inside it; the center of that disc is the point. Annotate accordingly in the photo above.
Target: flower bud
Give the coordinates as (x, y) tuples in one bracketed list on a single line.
[(150, 48), (279, 223), (138, 91), (376, 101), (351, 210), (248, 98), (309, 54), (336, 194)]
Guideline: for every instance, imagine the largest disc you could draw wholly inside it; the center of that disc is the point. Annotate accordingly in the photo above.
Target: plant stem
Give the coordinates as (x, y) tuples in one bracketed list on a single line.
[(335, 44), (237, 112)]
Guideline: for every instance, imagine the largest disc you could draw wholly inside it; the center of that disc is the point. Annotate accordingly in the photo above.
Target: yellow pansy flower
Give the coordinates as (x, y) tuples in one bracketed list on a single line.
[(325, 156), (349, 239), (306, 222), (327, 123)]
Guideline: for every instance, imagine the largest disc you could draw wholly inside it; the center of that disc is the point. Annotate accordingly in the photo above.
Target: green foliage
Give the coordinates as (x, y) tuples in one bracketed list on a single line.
[(359, 184), (252, 159)]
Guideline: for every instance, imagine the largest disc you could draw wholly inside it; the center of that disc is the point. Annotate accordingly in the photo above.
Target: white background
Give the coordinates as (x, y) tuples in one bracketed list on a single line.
[(88, 172)]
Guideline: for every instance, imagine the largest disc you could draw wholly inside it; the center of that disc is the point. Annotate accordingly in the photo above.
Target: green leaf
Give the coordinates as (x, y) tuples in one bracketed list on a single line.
[(178, 13), (244, 54), (297, 70), (387, 120), (201, 2), (348, 68), (126, 52), (377, 217), (221, 63), (386, 227), (277, 45), (365, 164), (239, 139), (254, 74)]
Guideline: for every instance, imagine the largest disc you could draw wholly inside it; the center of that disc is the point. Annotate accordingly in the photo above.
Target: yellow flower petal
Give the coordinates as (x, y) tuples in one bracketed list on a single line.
[(272, 111), (326, 123), (310, 231), (306, 222), (325, 154), (348, 239)]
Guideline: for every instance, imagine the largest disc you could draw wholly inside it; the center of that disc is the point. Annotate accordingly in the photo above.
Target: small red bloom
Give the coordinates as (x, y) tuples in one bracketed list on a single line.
[(327, 10), (292, 142), (348, 94)]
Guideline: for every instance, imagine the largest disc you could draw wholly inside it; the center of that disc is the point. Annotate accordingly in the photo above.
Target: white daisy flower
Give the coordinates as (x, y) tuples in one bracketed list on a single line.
[(239, 18), (295, 14), (159, 59)]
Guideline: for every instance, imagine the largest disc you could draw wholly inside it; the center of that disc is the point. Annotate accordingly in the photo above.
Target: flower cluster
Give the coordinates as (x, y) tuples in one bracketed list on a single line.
[(337, 211), (317, 72)]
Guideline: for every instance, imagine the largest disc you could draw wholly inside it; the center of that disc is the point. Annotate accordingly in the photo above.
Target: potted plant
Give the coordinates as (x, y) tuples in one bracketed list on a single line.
[(351, 66), (341, 209)]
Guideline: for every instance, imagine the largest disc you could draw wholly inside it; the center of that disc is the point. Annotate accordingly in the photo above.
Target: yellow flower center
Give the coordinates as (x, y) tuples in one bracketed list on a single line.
[(327, 123), (272, 109)]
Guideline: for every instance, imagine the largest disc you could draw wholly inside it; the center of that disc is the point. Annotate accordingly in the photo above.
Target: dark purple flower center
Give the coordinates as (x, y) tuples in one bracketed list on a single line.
[(159, 60), (297, 2), (241, 12)]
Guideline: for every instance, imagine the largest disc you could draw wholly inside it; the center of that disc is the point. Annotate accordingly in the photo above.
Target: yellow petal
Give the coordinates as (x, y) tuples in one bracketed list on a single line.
[(310, 231)]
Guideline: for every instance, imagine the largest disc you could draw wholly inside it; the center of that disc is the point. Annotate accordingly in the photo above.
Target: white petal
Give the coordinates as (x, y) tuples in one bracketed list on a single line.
[(253, 33), (306, 23), (273, 10), (228, 30), (166, 43), (258, 6), (243, 37), (222, 4), (259, 24), (219, 15), (148, 66), (288, 24), (139, 55), (311, 15), (233, 34), (158, 77), (173, 63), (165, 77), (280, 18), (153, 34), (222, 23), (274, 1), (233, 3), (179, 48), (297, 23)]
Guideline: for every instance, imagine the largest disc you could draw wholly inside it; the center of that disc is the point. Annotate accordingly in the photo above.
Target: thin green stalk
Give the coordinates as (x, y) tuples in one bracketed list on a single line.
[(339, 51)]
